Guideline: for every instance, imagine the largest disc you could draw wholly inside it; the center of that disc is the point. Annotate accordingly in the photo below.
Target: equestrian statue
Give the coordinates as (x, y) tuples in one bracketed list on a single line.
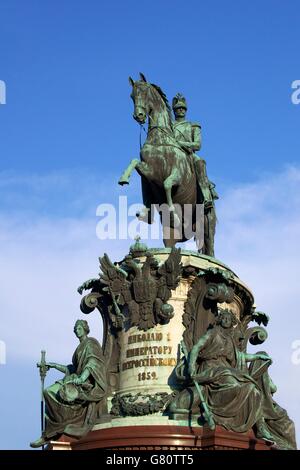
[(173, 176)]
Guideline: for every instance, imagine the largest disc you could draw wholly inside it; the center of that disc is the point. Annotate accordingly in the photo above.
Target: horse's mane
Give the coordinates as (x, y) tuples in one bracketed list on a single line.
[(165, 100)]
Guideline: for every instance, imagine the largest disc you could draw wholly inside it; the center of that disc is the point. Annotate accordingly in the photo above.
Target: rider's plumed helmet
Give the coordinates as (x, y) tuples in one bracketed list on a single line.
[(179, 101)]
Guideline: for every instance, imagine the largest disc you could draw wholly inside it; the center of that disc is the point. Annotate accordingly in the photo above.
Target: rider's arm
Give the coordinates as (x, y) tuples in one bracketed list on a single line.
[(195, 145), (196, 135)]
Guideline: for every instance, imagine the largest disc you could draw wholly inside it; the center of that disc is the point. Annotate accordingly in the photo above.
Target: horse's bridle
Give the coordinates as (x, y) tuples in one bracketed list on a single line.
[(137, 101), (138, 104)]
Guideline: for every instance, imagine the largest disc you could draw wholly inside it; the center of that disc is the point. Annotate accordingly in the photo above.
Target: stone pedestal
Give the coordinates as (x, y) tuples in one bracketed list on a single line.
[(161, 437), (141, 370), (148, 358)]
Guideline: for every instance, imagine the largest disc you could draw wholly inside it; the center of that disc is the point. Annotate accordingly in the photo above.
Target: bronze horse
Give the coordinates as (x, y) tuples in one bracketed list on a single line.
[(169, 177)]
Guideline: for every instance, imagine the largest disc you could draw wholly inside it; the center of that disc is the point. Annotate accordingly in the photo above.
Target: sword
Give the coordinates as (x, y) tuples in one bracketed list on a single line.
[(119, 314), (43, 371)]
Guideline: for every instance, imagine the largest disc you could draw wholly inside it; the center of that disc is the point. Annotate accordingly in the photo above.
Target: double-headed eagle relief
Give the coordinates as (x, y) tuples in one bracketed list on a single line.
[(137, 293), (173, 177)]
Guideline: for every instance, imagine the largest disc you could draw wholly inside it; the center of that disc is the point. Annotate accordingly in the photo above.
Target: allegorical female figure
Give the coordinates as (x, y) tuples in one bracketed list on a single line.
[(71, 403), (238, 397)]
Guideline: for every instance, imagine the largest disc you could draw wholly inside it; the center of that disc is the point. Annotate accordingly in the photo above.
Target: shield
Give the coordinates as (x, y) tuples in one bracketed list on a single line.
[(144, 290)]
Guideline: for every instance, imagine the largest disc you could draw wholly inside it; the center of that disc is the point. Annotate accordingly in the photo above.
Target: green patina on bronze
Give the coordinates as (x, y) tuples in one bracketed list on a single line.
[(72, 403), (216, 381), (139, 404), (216, 377), (143, 289), (170, 171)]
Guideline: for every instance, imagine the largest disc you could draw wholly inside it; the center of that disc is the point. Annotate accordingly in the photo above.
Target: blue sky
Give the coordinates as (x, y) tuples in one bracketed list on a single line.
[(66, 134)]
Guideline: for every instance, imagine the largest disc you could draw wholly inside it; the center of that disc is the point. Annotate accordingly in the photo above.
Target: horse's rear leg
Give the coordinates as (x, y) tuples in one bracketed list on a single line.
[(171, 236), (169, 183), (127, 173), (209, 233), (172, 180)]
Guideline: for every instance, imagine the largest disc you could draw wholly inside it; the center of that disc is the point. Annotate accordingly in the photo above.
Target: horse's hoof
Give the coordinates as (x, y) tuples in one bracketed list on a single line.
[(123, 181), (144, 216)]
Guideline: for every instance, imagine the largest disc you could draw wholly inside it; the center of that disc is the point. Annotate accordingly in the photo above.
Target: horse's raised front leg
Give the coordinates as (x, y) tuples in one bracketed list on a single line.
[(127, 173), (146, 173)]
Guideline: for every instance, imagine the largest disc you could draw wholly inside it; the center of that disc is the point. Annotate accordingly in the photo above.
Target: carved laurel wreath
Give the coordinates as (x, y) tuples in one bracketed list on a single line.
[(139, 404)]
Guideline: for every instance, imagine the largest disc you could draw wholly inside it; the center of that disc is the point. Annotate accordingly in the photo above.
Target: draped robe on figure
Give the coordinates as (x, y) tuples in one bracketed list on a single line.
[(237, 396), (77, 418)]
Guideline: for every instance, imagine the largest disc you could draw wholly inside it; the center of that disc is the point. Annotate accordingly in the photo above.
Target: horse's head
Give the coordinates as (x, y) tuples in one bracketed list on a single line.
[(141, 96)]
